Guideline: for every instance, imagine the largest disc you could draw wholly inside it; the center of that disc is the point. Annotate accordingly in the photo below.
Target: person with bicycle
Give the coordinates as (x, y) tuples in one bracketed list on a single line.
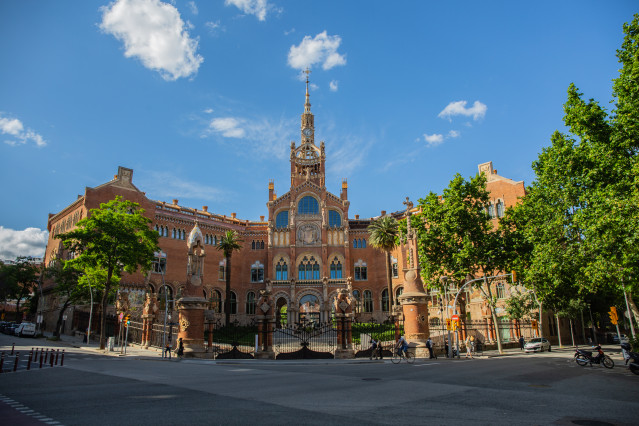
[(401, 346), (373, 348)]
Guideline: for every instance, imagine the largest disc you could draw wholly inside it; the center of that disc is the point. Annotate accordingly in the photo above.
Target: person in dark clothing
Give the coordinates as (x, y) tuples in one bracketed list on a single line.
[(446, 347), (521, 343), (180, 348), (429, 345)]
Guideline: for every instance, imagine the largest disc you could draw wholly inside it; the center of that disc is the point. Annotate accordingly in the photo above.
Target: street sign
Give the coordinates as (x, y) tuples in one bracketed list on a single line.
[(121, 316), (455, 317)]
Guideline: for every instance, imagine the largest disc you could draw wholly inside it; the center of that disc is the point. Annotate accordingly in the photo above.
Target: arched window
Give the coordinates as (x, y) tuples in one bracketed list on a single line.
[(250, 303), (233, 303), (308, 205), (363, 243), (308, 269), (334, 219), (281, 220), (281, 270), (262, 245), (355, 243), (336, 268), (173, 233), (500, 208), (385, 300), (398, 293), (253, 245), (257, 272), (216, 301), (368, 301), (358, 300), (394, 267), (491, 210)]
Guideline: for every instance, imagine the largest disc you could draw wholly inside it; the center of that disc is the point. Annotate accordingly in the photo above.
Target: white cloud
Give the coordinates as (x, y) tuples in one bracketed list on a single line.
[(30, 242), (193, 7), (153, 32), (213, 27), (291, 31), (477, 111), (453, 134), (321, 49), (229, 127), (333, 85), (208, 110), (14, 127), (434, 139), (260, 135), (251, 7)]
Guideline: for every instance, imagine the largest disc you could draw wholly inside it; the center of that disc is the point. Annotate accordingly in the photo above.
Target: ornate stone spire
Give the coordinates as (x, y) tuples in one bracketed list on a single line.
[(307, 104), (308, 126)]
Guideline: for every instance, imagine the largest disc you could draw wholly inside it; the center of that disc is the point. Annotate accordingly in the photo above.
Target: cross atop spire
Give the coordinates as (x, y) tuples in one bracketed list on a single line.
[(307, 104)]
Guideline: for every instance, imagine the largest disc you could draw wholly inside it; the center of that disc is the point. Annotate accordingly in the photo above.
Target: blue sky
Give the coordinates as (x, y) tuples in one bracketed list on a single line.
[(203, 98)]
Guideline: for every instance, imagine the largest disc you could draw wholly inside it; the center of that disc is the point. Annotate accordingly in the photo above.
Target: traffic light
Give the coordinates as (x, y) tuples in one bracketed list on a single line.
[(448, 326), (534, 323), (613, 315)]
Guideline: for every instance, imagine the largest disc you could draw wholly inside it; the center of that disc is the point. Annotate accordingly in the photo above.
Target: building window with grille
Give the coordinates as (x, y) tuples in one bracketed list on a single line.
[(308, 205), (336, 268), (491, 210), (257, 272), (250, 303), (361, 271), (216, 301), (221, 274), (281, 270), (358, 300), (233, 303), (398, 293), (308, 269), (385, 300), (394, 267), (501, 291), (368, 301), (500, 208), (334, 219), (281, 220)]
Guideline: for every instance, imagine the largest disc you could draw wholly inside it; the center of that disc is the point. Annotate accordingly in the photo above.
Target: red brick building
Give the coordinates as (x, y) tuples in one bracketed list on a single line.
[(307, 247)]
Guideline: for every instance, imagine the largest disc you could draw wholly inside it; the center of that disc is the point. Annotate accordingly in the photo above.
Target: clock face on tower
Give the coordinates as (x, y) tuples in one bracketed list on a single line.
[(307, 132)]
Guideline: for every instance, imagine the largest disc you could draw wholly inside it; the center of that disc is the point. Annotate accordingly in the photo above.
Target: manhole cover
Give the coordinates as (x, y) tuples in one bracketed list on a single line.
[(370, 379), (586, 422)]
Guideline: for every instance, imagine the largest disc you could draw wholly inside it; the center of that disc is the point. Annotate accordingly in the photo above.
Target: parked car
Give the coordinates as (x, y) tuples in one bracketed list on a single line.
[(537, 344), (615, 339), (25, 329), (10, 329)]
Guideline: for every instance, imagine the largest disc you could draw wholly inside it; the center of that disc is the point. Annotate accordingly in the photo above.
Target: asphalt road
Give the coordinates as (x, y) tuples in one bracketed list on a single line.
[(544, 388)]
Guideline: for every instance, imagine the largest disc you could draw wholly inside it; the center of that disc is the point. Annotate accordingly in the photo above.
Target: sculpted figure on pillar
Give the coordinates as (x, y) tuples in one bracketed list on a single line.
[(122, 304)]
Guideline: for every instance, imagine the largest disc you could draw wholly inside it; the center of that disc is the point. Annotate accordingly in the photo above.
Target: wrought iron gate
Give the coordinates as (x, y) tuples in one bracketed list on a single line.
[(309, 340)]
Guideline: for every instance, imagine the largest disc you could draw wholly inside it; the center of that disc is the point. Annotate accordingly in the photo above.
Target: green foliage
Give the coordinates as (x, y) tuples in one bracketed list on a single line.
[(115, 238), (519, 306), (229, 243)]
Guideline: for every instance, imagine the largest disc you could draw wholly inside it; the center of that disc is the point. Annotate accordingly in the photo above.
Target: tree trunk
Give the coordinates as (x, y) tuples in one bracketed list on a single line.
[(633, 308), (541, 318), (583, 328), (558, 331), (493, 314), (56, 333), (389, 282), (572, 335), (227, 301), (105, 298)]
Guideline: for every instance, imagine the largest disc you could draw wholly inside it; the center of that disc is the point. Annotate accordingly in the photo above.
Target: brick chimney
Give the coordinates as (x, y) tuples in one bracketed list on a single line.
[(205, 208)]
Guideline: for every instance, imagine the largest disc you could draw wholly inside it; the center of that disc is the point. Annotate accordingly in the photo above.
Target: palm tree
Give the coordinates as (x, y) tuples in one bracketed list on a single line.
[(383, 234), (229, 243)]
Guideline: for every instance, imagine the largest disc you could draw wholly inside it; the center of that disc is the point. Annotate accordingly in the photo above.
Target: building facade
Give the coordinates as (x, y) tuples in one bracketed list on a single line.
[(306, 248)]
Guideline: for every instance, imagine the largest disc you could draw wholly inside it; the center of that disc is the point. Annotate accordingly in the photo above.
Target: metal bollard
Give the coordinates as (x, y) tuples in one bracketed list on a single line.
[(35, 359), (1, 361), (46, 356), (56, 356), (40, 359), (29, 361), (62, 359), (12, 347), (15, 364), (51, 360)]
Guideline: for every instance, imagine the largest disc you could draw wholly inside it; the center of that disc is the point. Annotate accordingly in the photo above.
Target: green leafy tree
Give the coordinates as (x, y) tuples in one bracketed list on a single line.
[(24, 274), (457, 239), (229, 243), (8, 284), (383, 235), (67, 288), (115, 238)]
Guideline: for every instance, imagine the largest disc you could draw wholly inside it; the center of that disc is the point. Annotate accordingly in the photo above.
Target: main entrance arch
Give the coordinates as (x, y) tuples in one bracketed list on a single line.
[(309, 308)]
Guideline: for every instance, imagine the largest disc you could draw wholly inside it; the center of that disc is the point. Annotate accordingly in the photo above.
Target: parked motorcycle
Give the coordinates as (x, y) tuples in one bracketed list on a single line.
[(583, 357), (632, 358)]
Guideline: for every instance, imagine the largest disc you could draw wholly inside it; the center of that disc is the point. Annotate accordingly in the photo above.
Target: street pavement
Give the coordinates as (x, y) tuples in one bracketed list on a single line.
[(96, 387)]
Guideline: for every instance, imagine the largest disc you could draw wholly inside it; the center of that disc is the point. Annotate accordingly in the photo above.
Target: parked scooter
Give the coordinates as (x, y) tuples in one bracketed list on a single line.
[(583, 357), (631, 358)]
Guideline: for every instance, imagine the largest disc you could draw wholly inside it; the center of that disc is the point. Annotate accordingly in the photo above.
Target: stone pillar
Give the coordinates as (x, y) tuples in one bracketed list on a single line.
[(344, 316), (192, 305), (414, 300), (266, 325)]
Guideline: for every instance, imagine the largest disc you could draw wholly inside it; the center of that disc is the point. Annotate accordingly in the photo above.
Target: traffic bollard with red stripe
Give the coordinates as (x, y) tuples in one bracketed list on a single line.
[(15, 364), (56, 356), (62, 360), (29, 361)]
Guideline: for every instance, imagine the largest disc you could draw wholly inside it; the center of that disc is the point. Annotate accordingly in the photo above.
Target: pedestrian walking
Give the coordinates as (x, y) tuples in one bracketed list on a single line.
[(374, 344), (180, 348), (446, 347), (468, 344), (521, 343), (429, 345)]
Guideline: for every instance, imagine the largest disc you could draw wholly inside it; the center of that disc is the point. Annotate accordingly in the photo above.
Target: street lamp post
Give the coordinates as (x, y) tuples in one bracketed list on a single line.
[(444, 281)]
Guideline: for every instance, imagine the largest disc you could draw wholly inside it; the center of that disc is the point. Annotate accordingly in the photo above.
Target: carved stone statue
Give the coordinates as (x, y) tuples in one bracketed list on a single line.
[(122, 304), (343, 301)]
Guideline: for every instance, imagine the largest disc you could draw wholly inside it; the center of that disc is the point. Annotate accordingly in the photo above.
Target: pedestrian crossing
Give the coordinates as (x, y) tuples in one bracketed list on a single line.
[(23, 409)]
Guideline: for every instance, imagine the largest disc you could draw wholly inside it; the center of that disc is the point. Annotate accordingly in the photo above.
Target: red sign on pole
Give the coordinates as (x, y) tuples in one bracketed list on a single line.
[(121, 316), (455, 317)]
